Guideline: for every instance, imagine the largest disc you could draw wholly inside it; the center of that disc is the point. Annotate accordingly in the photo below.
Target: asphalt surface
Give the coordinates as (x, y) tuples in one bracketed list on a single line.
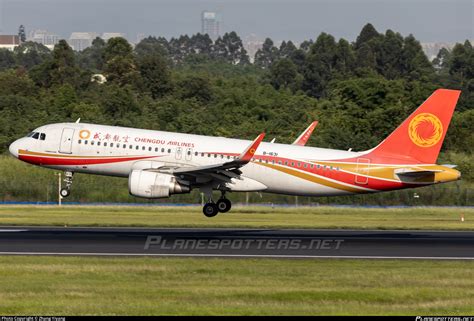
[(252, 243)]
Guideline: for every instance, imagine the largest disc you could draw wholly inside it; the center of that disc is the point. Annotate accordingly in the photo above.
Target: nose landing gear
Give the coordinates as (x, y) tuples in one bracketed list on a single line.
[(66, 191)]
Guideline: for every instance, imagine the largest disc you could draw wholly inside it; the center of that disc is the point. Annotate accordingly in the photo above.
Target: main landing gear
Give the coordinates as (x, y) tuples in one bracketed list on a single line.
[(66, 191), (211, 209)]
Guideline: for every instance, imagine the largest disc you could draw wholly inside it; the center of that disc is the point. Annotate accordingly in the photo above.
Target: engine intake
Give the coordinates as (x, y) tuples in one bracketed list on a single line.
[(154, 185)]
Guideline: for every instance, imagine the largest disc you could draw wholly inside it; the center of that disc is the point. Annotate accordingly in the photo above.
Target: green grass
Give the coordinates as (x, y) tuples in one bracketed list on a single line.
[(146, 286), (245, 217)]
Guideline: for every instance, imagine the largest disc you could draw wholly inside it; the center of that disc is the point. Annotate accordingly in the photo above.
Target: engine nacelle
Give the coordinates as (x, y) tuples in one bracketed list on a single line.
[(154, 185)]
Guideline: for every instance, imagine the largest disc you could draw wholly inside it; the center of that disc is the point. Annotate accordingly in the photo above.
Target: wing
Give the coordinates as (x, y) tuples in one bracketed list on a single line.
[(221, 173), (304, 137)]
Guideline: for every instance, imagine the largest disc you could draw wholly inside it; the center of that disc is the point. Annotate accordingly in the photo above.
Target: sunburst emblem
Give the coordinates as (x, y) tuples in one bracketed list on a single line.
[(425, 130)]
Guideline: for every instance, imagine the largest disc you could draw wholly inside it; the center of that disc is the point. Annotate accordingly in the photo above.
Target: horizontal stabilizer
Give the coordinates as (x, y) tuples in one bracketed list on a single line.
[(415, 173)]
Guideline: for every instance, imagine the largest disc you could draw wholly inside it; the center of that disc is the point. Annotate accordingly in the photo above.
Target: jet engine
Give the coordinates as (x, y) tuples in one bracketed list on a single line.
[(148, 184)]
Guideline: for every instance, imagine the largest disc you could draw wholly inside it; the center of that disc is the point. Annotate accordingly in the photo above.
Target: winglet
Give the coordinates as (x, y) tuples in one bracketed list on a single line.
[(247, 155), (304, 137)]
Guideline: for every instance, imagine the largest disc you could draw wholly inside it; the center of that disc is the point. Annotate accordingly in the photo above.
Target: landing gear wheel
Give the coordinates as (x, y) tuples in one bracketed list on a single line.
[(210, 210), (65, 192), (224, 205)]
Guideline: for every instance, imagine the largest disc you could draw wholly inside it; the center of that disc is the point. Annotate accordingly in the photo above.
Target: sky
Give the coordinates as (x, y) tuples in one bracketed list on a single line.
[(296, 20)]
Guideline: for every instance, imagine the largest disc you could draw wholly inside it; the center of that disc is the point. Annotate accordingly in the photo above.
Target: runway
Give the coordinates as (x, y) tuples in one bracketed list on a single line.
[(243, 243)]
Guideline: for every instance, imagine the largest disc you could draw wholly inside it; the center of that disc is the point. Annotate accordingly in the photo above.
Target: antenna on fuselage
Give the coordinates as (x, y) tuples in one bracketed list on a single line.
[(78, 120)]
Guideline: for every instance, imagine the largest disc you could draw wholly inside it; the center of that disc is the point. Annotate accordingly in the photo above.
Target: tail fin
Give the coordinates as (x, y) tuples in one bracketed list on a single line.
[(421, 135)]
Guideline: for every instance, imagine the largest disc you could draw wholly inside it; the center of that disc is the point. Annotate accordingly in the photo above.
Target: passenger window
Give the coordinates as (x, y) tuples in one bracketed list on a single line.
[(143, 147), (169, 150), (156, 149), (162, 150), (293, 164), (124, 146), (105, 144), (138, 147), (85, 142), (299, 164), (279, 162), (98, 143), (111, 144), (92, 142), (149, 149), (305, 165), (79, 141), (195, 153), (130, 146), (189, 152), (42, 136), (215, 155), (208, 155), (311, 165)]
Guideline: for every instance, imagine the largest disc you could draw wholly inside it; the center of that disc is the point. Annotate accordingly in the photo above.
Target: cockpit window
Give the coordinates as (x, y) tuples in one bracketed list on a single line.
[(30, 134), (35, 135), (42, 136)]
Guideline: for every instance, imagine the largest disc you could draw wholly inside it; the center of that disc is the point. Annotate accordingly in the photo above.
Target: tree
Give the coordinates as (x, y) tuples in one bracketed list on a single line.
[(367, 34), (230, 49), (388, 52), (319, 65), (30, 54), (155, 73), (93, 57), (59, 69), (151, 46), (119, 62), (267, 55), (197, 87), (287, 49), (7, 59), (344, 58), (283, 74), (22, 33), (414, 64)]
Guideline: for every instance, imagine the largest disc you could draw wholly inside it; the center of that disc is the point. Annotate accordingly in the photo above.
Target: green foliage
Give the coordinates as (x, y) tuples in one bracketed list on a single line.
[(359, 92)]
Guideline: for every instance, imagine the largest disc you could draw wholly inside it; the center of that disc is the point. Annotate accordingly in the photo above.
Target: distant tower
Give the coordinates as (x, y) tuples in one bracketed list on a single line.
[(210, 24)]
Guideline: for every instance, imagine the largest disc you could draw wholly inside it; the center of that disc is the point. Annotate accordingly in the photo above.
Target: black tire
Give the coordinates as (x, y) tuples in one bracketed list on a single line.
[(224, 205), (210, 210), (65, 192)]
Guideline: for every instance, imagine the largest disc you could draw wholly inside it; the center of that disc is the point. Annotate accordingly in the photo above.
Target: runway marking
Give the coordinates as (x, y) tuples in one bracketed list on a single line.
[(248, 256), (10, 231)]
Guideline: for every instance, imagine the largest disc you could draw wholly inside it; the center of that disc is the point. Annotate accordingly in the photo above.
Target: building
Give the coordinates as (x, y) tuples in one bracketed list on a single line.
[(210, 23), (44, 37), (81, 40), (9, 42), (252, 44), (108, 35)]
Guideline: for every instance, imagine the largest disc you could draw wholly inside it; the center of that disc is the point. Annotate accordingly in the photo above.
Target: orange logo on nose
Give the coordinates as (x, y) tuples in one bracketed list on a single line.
[(425, 130), (84, 134)]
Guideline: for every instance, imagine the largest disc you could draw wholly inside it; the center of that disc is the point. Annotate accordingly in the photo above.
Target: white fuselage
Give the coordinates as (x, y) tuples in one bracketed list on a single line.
[(76, 140)]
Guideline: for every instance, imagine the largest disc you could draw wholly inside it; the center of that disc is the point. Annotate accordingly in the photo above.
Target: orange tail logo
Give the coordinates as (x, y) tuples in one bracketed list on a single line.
[(425, 130)]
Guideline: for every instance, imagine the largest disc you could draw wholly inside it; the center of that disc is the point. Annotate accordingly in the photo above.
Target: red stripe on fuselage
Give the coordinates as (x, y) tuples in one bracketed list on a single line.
[(61, 161)]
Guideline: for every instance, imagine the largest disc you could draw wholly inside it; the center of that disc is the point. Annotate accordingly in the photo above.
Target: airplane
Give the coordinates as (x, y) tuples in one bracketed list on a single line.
[(159, 164), (305, 135)]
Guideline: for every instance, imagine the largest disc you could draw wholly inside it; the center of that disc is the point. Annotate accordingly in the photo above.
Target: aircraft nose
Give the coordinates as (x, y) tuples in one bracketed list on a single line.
[(13, 148)]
